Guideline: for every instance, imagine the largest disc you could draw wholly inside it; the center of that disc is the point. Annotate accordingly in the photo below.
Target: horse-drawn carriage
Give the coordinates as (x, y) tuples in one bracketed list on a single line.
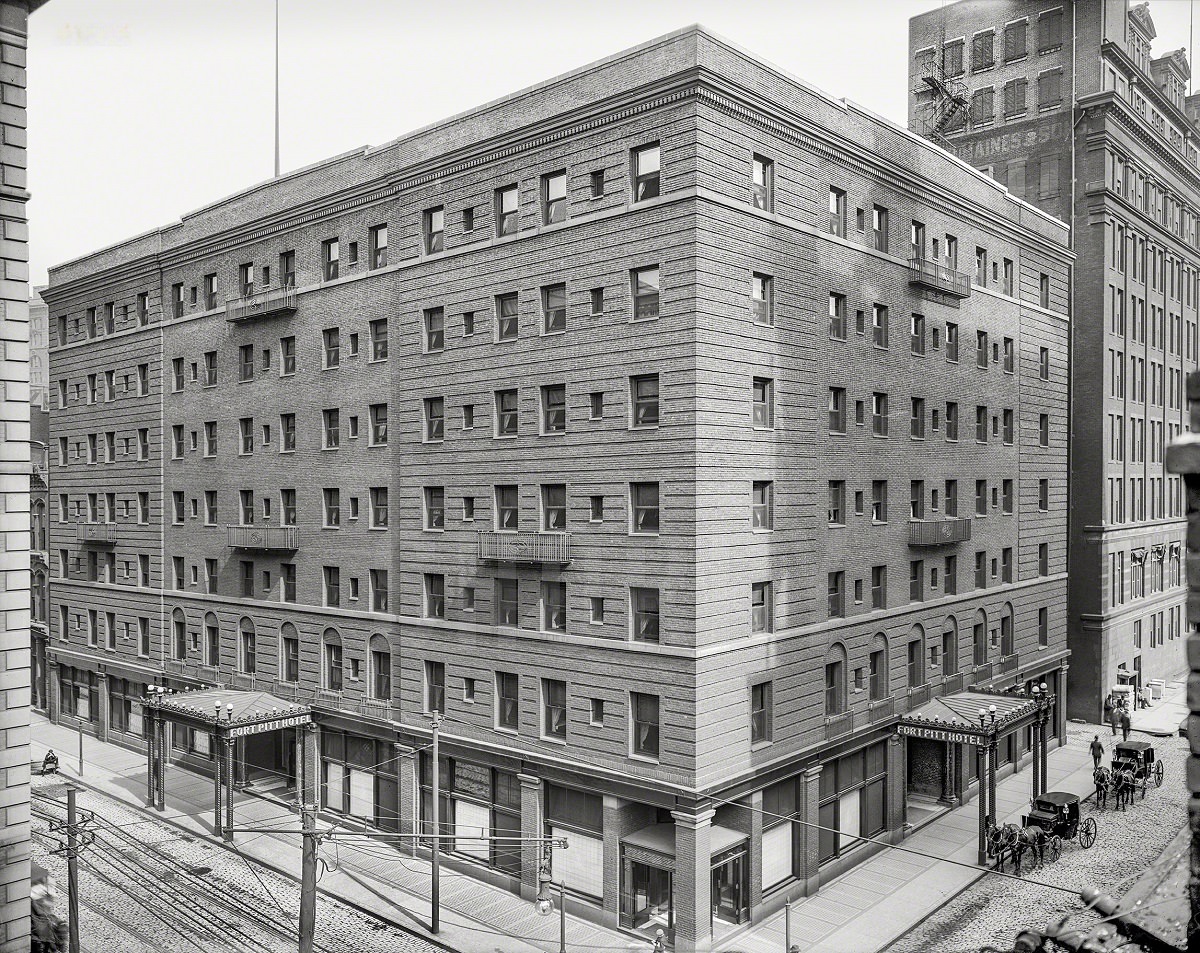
[(1137, 757), (1053, 817)]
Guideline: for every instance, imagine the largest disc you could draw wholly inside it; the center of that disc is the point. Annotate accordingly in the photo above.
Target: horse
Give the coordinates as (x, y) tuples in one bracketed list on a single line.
[(1000, 841), (1103, 780), (1028, 839), (1123, 783)]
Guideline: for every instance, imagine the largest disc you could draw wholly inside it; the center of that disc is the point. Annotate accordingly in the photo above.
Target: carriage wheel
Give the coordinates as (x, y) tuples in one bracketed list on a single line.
[(1158, 774), (1053, 847), (1087, 832)]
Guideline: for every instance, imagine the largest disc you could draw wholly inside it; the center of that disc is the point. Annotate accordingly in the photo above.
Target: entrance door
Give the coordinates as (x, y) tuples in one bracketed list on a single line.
[(729, 889), (648, 897)]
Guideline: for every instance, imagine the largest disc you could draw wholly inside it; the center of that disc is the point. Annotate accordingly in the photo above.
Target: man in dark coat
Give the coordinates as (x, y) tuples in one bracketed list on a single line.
[(1124, 725), (1097, 749)]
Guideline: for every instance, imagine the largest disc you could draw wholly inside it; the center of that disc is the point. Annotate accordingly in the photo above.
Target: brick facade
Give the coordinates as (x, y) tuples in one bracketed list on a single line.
[(698, 772), (1129, 183)]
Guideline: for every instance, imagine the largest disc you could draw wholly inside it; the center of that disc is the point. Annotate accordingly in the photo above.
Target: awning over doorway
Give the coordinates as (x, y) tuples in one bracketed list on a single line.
[(660, 838), (235, 712), (956, 717)]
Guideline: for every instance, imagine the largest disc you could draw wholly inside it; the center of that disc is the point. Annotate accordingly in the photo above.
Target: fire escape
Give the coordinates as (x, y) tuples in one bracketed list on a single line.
[(949, 103)]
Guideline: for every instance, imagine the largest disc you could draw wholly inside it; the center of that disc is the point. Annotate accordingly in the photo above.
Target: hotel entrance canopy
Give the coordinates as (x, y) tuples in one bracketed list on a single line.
[(226, 716)]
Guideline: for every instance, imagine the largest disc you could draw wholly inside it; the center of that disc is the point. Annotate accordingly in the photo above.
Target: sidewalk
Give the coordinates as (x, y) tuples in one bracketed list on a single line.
[(1162, 718), (862, 911), (475, 917)]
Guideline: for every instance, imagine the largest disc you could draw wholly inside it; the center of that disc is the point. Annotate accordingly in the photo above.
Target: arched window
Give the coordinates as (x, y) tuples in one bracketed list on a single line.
[(916, 657), (1006, 630), (179, 634), (950, 646), (331, 660), (289, 653), (835, 679), (212, 640), (37, 527), (381, 668), (38, 596), (878, 687), (247, 663), (979, 637)]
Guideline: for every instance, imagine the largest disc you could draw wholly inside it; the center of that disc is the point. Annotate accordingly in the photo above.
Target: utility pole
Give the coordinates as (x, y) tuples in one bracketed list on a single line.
[(308, 879), (436, 894), (72, 874)]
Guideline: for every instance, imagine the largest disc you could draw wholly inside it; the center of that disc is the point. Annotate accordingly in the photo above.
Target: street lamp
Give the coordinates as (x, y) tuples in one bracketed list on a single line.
[(545, 904)]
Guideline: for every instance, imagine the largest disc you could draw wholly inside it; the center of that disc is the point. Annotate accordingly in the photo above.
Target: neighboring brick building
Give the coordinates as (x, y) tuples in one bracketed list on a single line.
[(14, 480), (1129, 182), (39, 444), (532, 416)]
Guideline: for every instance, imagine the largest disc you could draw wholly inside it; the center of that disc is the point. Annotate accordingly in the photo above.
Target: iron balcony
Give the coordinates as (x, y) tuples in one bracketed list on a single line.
[(541, 548), (265, 304), (261, 537), (96, 534), (929, 274), (938, 532)]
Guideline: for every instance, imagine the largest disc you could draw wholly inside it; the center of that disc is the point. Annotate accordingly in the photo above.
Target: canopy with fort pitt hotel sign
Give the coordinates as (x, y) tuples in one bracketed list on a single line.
[(956, 717), (235, 713)]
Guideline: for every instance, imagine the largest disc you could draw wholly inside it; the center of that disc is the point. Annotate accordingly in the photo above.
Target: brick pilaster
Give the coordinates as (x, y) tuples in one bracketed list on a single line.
[(533, 816), (810, 838), (693, 880), (407, 796)]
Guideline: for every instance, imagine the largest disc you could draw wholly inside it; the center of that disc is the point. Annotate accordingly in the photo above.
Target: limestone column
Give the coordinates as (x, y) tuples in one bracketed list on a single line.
[(104, 703), (533, 816), (693, 880), (408, 797), (614, 830), (1060, 706), (810, 836)]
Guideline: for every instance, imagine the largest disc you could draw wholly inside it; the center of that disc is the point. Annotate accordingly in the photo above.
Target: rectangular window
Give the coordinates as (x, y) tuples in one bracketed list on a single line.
[(506, 508), (762, 298), (879, 587), (433, 224), (837, 316), (762, 508), (554, 606), (981, 420), (331, 339), (762, 609), (879, 228), (331, 419), (330, 252), (646, 172), (507, 209), (837, 594), (434, 413), (435, 595), (879, 414), (644, 725), (837, 410), (332, 579), (837, 502), (763, 411), (916, 582), (1043, 559), (435, 686), (916, 495), (332, 499), (379, 507), (762, 183), (506, 413), (1044, 290), (507, 701), (435, 329), (378, 245), (879, 325), (879, 501), (554, 308), (837, 212), (554, 197), (210, 292), (379, 419), (917, 419), (760, 713), (1044, 430), (644, 283), (644, 508), (506, 317), (917, 334)]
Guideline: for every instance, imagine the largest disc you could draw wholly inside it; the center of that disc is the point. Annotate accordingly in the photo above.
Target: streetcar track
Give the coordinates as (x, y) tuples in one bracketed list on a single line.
[(169, 882)]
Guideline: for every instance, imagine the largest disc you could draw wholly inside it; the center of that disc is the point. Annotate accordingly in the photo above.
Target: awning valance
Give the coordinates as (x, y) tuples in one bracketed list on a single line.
[(956, 717), (233, 712)]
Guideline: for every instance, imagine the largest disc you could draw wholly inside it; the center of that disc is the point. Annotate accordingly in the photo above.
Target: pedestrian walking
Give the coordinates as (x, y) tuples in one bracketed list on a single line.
[(1097, 749), (1115, 719), (1124, 725)]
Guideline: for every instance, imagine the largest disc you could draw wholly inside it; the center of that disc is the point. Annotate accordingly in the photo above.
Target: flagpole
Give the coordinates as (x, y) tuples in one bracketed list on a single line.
[(276, 88)]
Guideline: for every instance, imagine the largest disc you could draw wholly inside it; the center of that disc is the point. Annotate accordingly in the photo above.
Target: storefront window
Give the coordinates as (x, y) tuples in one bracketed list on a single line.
[(579, 817), (358, 778), (853, 799), (122, 696), (477, 803), (781, 838), (80, 697)]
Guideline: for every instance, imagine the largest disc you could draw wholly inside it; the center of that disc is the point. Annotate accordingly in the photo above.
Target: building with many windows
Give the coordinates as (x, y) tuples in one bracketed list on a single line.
[(1128, 181), (635, 423)]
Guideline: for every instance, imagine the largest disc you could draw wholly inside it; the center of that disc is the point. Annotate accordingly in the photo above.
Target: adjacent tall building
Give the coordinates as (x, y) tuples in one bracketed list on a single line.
[(644, 423), (15, 476), (1003, 83)]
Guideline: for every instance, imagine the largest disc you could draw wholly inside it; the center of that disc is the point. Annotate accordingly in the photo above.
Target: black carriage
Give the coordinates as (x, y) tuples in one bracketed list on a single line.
[(1137, 757), (1057, 814)]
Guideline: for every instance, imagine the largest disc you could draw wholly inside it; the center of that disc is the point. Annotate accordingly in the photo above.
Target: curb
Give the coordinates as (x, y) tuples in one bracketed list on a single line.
[(269, 865)]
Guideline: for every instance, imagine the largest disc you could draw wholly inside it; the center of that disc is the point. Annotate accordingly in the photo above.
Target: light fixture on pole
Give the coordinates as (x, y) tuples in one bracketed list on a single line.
[(544, 903)]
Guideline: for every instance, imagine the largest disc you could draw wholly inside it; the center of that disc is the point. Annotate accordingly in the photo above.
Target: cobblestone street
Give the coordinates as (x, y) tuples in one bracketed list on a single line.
[(995, 908), (147, 886)]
